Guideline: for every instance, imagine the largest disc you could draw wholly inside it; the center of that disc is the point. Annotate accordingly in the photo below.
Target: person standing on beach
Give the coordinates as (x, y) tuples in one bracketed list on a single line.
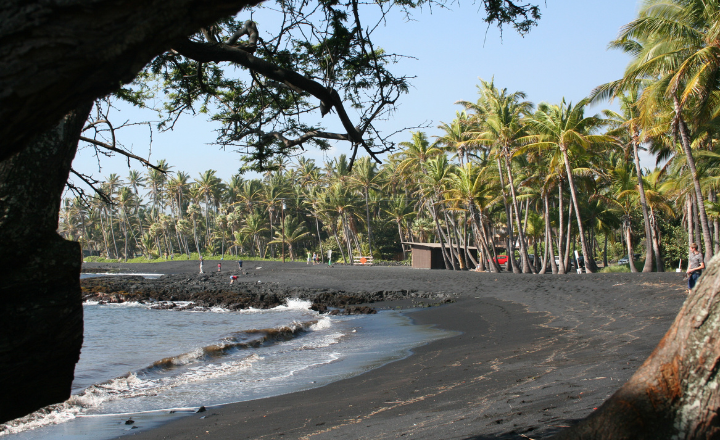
[(330, 257), (240, 264), (314, 257), (219, 267), (696, 264), (309, 255), (201, 265)]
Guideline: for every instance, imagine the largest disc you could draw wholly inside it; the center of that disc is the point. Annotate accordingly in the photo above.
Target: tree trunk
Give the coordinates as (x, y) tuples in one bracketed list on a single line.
[(675, 393), (521, 235), (561, 258), (685, 141), (41, 307), (568, 237), (589, 262), (510, 240), (643, 204), (605, 261), (367, 219), (548, 238), (627, 231), (716, 226), (659, 263)]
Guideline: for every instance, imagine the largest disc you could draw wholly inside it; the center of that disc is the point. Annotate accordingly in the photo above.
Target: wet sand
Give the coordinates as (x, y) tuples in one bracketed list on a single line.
[(534, 354)]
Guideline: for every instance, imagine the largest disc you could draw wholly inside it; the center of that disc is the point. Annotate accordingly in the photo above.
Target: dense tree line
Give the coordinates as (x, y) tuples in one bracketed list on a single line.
[(564, 179)]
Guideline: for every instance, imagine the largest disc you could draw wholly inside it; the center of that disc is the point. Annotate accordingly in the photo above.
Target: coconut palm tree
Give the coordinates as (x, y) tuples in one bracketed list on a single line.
[(456, 138), (626, 126), (295, 232), (365, 177), (675, 49), (565, 127), (502, 128)]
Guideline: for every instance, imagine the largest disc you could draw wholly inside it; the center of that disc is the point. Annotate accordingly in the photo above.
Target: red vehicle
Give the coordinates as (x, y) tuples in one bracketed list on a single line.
[(501, 259)]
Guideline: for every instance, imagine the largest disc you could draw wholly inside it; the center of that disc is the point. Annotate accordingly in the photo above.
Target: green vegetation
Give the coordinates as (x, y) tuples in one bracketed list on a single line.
[(507, 177)]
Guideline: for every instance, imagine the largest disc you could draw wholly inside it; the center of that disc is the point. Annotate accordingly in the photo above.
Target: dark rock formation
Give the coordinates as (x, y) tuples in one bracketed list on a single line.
[(41, 327), (214, 290)]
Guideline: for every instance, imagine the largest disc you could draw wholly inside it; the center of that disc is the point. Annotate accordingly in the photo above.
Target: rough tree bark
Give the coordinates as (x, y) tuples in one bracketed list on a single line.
[(40, 302), (58, 54), (675, 393)]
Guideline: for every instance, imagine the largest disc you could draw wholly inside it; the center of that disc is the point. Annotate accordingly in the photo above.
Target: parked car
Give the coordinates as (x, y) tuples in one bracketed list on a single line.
[(625, 260), (501, 259)]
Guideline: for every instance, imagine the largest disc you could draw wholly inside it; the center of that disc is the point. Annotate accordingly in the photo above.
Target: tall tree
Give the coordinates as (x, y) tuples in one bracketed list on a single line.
[(565, 127)]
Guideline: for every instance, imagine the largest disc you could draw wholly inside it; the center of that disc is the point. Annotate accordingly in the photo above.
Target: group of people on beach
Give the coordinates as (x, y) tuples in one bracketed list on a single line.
[(315, 258)]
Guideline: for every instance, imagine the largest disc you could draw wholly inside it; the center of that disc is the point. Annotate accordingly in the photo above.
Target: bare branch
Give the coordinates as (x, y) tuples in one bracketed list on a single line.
[(120, 151)]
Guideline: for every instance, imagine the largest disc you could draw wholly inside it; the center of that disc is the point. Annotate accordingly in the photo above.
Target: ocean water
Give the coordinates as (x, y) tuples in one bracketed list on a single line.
[(150, 366)]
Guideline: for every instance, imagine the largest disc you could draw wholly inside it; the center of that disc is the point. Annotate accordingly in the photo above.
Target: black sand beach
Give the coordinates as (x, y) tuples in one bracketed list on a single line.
[(534, 353)]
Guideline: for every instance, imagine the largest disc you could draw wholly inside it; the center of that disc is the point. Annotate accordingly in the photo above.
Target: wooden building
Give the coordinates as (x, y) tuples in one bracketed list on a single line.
[(429, 255)]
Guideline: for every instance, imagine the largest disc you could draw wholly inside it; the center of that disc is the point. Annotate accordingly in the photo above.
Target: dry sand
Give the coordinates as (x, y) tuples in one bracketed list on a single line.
[(535, 353)]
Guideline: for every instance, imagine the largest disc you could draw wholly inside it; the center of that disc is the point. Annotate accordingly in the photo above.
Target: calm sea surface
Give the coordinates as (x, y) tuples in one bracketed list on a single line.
[(154, 365)]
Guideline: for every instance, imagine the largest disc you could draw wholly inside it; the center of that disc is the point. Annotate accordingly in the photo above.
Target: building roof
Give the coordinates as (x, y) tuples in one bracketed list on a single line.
[(431, 245)]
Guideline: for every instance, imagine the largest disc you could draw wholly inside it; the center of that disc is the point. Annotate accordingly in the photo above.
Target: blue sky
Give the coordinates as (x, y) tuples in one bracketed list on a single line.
[(565, 56)]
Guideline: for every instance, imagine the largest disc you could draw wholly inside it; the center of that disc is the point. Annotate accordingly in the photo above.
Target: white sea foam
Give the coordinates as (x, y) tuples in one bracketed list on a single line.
[(323, 342), (120, 388), (296, 304), (324, 323)]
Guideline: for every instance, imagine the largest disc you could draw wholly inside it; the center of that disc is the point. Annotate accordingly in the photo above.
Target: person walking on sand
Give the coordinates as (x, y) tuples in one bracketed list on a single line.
[(201, 265), (219, 267), (695, 266), (309, 255), (330, 257), (314, 258)]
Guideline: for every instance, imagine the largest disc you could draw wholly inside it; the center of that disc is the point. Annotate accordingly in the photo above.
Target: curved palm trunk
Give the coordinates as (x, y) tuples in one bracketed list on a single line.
[(589, 262), (510, 242), (548, 239), (317, 227), (627, 232), (454, 247), (525, 260), (402, 239), (649, 246), (483, 241), (367, 219), (685, 141), (659, 263), (449, 263), (561, 258), (112, 233)]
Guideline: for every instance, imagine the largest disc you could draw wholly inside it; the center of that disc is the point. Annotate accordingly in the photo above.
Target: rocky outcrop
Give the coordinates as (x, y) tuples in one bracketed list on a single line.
[(214, 290), (41, 328)]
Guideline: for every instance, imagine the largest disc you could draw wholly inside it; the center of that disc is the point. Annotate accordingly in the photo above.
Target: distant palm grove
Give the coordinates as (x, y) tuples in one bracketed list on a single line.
[(507, 177)]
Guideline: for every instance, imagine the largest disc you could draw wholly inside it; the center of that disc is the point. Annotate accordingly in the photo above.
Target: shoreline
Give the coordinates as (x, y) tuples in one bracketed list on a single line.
[(534, 354)]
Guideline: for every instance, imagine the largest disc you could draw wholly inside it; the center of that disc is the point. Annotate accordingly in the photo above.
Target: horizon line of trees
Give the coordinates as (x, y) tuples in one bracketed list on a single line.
[(565, 181), (506, 174)]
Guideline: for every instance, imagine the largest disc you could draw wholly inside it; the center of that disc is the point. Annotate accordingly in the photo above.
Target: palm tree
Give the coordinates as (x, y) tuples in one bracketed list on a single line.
[(294, 233), (627, 127), (565, 127), (209, 187), (456, 138), (365, 177), (255, 225), (675, 50), (502, 128), (470, 186), (399, 212)]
